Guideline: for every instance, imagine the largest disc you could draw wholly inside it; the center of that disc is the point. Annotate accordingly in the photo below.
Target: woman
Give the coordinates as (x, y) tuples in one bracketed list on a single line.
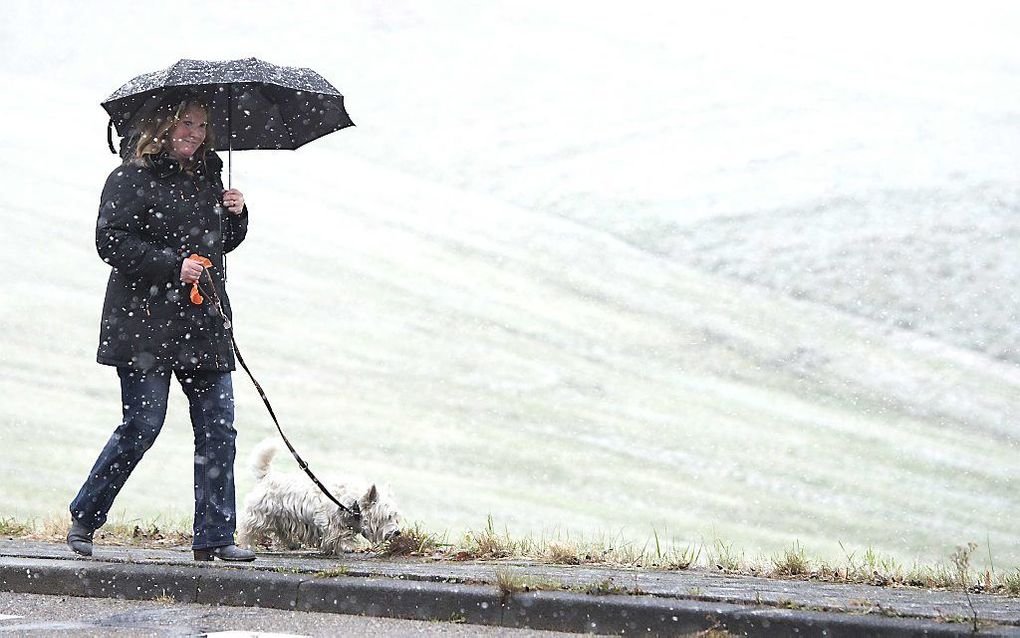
[(166, 202)]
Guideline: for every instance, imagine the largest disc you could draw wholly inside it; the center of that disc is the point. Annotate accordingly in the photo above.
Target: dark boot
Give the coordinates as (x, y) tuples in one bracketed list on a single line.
[(227, 552), (79, 539)]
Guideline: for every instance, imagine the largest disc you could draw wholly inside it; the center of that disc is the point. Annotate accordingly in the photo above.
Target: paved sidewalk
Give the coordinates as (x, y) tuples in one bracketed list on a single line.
[(645, 601)]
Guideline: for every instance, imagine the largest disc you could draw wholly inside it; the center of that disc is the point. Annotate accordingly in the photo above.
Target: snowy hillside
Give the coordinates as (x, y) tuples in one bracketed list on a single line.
[(942, 262), (612, 279)]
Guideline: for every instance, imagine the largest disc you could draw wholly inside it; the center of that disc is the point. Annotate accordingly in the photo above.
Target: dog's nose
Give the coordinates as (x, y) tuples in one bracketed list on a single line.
[(393, 534)]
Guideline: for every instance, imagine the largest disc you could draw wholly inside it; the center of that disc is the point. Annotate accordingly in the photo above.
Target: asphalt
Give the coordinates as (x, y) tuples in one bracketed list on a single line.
[(642, 601)]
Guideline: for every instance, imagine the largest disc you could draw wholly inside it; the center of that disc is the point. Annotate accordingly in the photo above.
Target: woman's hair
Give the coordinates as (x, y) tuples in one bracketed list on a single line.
[(153, 133)]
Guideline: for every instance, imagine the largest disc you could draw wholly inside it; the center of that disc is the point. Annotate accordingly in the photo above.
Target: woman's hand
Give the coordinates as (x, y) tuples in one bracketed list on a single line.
[(233, 200), (191, 270)]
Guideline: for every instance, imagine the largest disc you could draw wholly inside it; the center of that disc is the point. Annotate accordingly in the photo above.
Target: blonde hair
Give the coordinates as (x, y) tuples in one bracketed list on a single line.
[(154, 132)]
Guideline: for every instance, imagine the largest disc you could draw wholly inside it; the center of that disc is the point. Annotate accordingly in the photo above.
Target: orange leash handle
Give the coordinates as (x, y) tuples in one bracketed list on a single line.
[(196, 296)]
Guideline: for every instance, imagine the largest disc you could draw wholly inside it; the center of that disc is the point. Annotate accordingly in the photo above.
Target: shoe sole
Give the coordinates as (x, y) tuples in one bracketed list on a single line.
[(208, 555)]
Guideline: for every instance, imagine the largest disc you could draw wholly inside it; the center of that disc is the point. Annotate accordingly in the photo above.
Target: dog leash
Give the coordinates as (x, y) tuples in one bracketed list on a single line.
[(197, 299)]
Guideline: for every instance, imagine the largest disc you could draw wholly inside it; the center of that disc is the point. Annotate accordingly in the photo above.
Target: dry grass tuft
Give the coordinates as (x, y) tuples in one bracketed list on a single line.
[(13, 528), (142, 534), (132, 532), (509, 582), (413, 541), (724, 557), (685, 558), (1011, 583), (562, 554), (487, 544)]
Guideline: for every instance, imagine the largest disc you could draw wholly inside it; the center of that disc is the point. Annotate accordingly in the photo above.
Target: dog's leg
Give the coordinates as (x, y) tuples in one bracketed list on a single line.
[(287, 532), (254, 527), (336, 536)]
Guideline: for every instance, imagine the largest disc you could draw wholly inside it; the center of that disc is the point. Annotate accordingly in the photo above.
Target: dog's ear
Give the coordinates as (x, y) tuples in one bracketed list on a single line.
[(371, 496)]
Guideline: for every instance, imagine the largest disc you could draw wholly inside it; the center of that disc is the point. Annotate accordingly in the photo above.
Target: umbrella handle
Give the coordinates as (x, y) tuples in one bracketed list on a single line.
[(109, 136)]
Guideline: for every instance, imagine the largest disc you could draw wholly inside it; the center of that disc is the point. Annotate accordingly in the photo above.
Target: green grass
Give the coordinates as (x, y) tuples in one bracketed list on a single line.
[(1011, 583), (511, 581), (335, 572), (792, 562), (602, 587), (724, 557)]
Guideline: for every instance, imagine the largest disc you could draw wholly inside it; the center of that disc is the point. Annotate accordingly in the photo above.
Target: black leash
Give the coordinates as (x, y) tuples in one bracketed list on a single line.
[(356, 511)]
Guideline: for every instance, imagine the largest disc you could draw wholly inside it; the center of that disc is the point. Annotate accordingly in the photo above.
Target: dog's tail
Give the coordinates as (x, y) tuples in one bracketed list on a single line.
[(262, 457)]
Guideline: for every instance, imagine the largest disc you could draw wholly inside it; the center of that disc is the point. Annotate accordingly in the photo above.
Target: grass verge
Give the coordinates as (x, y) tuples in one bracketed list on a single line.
[(859, 567), (154, 533)]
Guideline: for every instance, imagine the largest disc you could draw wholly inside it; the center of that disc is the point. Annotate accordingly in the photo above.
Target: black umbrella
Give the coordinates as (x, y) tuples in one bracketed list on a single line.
[(253, 104)]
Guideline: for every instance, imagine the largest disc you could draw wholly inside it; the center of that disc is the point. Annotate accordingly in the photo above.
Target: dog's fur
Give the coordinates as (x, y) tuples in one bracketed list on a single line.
[(291, 507)]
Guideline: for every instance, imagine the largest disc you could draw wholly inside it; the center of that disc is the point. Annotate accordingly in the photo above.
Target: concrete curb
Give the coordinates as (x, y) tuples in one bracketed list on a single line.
[(424, 600)]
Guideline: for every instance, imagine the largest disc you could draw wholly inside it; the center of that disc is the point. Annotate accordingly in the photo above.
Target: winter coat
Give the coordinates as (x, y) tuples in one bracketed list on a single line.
[(151, 217)]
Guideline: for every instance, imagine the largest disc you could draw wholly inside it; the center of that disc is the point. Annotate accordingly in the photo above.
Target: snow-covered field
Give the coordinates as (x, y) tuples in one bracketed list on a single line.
[(742, 273)]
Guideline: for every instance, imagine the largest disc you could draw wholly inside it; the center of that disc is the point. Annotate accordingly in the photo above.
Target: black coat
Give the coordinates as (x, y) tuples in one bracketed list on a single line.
[(151, 217)]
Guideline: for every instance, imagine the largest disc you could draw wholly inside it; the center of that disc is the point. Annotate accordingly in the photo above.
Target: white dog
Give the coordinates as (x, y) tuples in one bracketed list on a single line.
[(291, 507)]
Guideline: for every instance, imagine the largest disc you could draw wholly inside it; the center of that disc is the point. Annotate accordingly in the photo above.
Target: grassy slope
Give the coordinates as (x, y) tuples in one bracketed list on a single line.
[(483, 358), (939, 261), (483, 354)]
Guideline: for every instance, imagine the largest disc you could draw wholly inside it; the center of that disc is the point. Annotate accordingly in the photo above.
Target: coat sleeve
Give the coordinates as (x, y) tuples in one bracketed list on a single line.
[(121, 239), (236, 229)]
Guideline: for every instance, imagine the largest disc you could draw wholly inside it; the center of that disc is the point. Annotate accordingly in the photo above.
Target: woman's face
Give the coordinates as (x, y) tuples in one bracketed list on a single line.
[(189, 133)]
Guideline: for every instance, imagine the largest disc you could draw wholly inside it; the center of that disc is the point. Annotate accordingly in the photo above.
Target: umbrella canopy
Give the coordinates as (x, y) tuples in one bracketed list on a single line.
[(253, 104)]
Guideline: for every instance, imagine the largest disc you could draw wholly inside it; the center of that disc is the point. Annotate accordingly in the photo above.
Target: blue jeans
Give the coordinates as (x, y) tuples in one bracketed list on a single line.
[(144, 399)]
